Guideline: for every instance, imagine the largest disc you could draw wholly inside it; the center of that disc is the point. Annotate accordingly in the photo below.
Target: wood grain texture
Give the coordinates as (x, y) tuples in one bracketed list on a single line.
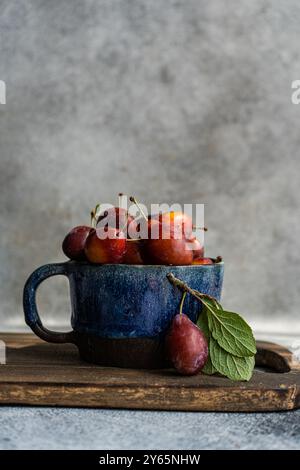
[(38, 373)]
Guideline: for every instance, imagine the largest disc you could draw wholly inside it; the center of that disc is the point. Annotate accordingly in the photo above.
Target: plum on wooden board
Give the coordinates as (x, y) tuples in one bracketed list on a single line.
[(186, 345)]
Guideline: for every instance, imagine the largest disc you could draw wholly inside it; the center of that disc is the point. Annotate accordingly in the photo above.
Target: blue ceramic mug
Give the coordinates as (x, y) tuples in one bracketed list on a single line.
[(120, 313)]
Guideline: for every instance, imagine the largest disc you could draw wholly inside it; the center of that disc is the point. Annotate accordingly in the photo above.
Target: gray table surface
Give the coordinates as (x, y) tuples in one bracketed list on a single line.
[(74, 428), (61, 428)]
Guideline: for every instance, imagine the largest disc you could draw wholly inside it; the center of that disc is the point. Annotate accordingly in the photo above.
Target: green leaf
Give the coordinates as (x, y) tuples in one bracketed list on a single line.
[(209, 369), (231, 332), (211, 302), (233, 367), (202, 322)]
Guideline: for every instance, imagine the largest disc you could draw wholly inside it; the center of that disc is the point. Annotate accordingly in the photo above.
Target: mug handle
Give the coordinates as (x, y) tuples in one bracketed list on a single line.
[(32, 317)]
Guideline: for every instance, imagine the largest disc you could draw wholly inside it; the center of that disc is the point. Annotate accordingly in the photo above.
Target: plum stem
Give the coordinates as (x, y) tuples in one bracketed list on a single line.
[(93, 214), (133, 199), (182, 302), (120, 198), (184, 287)]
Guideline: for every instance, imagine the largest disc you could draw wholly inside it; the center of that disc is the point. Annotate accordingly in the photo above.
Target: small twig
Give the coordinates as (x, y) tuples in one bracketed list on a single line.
[(133, 199), (94, 216), (180, 284), (184, 287)]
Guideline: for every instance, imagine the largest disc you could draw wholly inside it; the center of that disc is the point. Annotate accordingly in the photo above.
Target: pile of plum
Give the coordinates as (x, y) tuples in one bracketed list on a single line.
[(107, 241), (87, 243)]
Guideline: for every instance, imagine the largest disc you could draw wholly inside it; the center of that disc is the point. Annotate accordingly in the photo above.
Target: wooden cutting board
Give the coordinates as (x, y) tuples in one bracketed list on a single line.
[(38, 373)]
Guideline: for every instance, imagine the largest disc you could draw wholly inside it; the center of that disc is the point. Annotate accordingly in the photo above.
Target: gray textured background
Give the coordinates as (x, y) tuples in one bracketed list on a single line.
[(174, 101)]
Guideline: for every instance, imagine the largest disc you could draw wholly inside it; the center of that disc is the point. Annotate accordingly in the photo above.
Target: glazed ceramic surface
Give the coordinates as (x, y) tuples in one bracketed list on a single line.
[(115, 302)]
